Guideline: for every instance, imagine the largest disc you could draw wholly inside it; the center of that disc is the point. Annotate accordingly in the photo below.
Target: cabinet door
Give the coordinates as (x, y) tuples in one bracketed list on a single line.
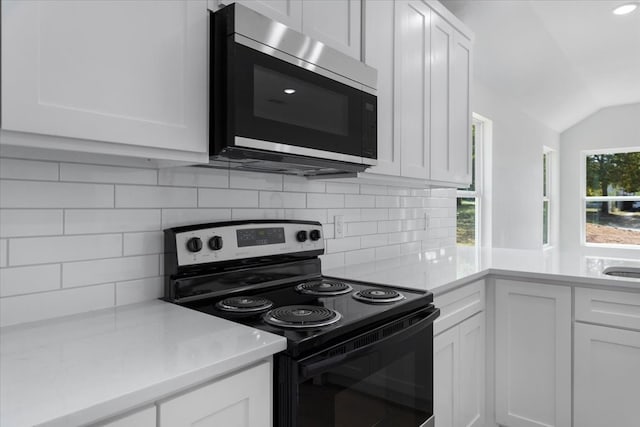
[(533, 354), (378, 53), (471, 372), (128, 72), (143, 418), (441, 61), (412, 111), (460, 137), (241, 400), (335, 23), (289, 12), (445, 377), (607, 376)]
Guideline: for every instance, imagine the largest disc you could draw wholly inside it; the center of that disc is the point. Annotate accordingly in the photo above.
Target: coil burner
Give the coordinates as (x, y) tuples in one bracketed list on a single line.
[(324, 287), (301, 316), (378, 296)]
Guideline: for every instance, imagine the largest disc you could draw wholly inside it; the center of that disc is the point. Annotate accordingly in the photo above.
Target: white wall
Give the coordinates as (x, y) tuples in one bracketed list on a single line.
[(516, 173), (76, 237), (613, 127)]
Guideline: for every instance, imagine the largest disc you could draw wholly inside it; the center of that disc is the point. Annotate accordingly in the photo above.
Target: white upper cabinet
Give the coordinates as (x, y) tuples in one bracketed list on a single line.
[(289, 12), (378, 53), (132, 73), (412, 107), (335, 23), (429, 67)]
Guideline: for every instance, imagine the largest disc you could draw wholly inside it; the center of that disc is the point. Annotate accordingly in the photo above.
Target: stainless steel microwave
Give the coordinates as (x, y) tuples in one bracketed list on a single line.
[(282, 102)]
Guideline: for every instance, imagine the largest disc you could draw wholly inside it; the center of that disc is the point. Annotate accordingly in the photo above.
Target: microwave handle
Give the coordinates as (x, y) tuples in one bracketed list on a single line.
[(312, 369)]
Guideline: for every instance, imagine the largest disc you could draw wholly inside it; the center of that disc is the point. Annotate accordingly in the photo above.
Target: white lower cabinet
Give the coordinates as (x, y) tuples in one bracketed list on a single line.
[(533, 354), (606, 377), (459, 357), (142, 418), (459, 383), (240, 400)]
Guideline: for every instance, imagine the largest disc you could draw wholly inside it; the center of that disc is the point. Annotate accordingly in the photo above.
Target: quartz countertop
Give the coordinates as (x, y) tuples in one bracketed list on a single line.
[(441, 270), (80, 369)]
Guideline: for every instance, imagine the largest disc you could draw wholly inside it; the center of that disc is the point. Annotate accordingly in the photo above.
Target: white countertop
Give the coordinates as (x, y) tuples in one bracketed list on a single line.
[(80, 369), (441, 270)]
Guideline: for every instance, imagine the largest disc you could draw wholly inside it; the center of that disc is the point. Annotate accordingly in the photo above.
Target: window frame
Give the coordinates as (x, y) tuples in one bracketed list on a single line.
[(479, 140), (547, 193), (584, 199)]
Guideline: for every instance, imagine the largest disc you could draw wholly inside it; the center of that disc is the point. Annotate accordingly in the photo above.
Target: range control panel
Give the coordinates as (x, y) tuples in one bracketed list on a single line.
[(246, 240)]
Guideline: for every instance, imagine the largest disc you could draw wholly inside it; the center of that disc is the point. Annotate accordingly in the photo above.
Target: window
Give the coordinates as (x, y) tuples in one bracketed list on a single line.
[(546, 199), (468, 199), (611, 198)]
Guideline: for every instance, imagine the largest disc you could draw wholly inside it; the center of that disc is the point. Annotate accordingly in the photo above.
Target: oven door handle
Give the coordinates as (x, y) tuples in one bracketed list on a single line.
[(312, 369)]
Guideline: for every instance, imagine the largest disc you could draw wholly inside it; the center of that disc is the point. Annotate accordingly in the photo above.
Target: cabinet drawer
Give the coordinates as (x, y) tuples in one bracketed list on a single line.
[(612, 308), (459, 304)]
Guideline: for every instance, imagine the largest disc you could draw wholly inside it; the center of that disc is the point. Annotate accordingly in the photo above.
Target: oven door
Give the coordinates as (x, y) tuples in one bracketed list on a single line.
[(282, 107), (370, 380)]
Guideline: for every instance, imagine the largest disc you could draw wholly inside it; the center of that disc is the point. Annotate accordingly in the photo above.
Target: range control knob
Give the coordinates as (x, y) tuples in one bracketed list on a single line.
[(215, 243), (194, 244), (315, 235), (301, 236)]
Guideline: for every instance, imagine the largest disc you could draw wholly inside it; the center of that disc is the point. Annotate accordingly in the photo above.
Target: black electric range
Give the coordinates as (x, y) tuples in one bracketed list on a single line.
[(340, 333)]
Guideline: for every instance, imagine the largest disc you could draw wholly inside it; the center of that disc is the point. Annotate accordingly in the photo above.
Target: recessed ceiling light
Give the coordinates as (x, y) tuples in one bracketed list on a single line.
[(625, 8), (289, 91)]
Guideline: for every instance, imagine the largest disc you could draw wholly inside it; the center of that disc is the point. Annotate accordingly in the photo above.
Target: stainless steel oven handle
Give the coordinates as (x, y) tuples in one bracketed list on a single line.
[(312, 369)]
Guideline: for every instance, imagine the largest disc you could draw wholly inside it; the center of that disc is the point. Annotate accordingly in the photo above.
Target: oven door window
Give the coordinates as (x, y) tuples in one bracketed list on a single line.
[(282, 103), (388, 386)]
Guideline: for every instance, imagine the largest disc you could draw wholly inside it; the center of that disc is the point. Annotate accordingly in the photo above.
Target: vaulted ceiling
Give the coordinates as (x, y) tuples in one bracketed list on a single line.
[(560, 60)]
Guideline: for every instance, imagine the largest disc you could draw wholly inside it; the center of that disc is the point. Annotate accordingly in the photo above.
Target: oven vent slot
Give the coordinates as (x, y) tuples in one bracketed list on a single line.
[(392, 329), (337, 351), (367, 339)]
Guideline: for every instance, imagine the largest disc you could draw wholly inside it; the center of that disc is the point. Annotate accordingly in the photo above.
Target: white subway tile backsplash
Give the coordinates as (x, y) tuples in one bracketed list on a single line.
[(374, 240), (387, 201), (112, 174), (27, 280), (297, 183), (28, 169), (4, 252), (389, 226), (348, 215), (272, 199), (194, 177), (216, 198), (319, 215), (179, 217), (45, 305), (255, 181), (342, 188), (343, 244), (87, 221), (139, 290), (34, 194), (390, 251), (42, 250), (361, 228), (238, 214), (134, 196), (324, 201), (30, 222), (106, 226), (150, 242), (109, 270), (360, 256), (359, 201), (373, 189)]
